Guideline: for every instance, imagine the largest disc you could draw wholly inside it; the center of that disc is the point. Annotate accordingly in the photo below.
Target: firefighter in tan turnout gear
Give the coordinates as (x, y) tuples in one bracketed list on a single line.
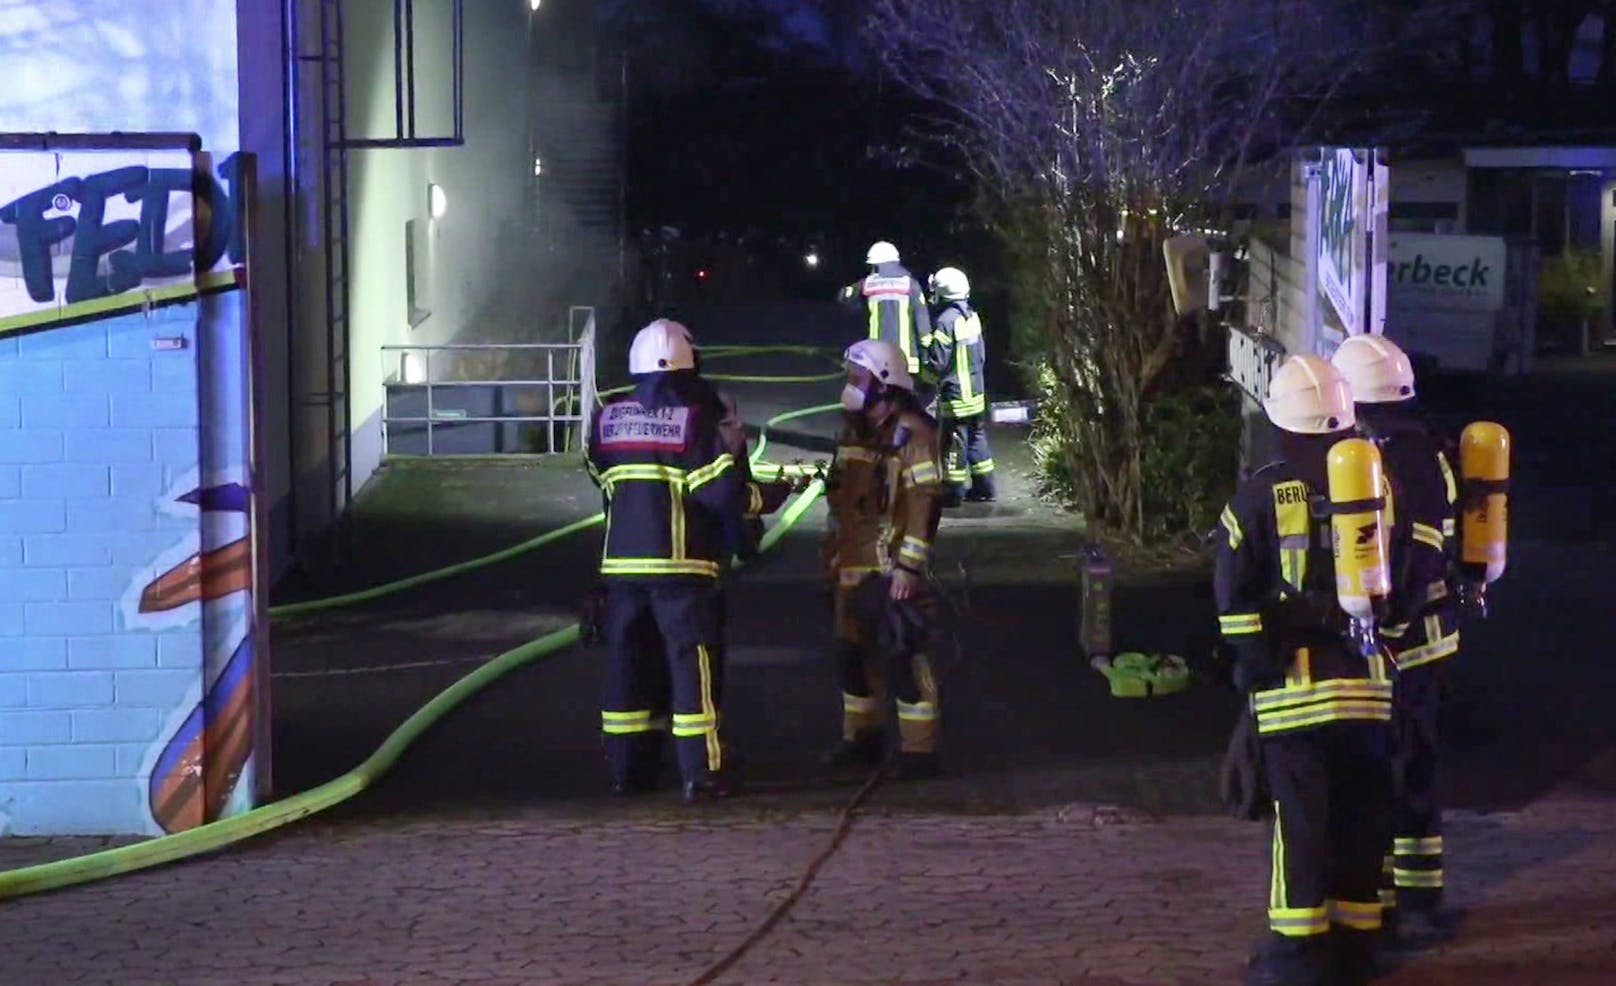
[(1318, 682), (884, 491)]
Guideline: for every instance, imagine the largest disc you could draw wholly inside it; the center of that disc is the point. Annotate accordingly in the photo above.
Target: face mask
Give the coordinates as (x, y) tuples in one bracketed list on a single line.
[(853, 398)]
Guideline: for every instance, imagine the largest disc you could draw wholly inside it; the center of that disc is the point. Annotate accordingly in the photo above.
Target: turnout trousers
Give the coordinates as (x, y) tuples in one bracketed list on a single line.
[(1332, 790), (969, 458), (1413, 870), (881, 648), (662, 651)]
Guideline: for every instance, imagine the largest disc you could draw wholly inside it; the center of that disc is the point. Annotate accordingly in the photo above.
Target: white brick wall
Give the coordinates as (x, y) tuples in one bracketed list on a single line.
[(95, 429)]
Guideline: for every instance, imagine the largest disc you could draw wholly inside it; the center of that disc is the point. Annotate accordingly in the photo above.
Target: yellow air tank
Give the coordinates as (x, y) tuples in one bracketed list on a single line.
[(1358, 534), (1484, 519)]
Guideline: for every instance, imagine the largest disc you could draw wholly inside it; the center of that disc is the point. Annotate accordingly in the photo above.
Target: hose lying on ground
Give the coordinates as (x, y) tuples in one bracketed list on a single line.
[(217, 835)]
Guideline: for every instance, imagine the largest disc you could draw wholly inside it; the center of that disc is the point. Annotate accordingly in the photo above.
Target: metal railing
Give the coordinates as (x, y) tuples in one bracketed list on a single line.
[(566, 383)]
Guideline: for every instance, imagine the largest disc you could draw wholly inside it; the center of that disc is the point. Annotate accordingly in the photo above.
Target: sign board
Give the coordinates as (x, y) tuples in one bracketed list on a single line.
[(87, 234), (1447, 273), (1343, 241)]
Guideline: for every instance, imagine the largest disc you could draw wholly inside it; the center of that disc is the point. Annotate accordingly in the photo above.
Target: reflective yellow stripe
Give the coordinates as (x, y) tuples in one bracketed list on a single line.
[(1436, 591), (918, 712), (968, 407), (1429, 846), (715, 749), (1447, 480), (1299, 922), (1276, 864), (921, 474), (982, 468), (1434, 650), (1321, 713), (1276, 699), (697, 478), (1388, 900), (914, 549), (666, 474), (852, 575), (625, 723), (860, 704), (1449, 527), (1357, 915), (754, 498), (1431, 879), (1231, 524), (856, 453), (693, 724), (1428, 535), (658, 566), (1240, 624)]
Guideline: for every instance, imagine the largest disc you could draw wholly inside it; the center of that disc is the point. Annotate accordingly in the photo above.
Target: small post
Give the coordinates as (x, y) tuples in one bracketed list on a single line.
[(1094, 609)]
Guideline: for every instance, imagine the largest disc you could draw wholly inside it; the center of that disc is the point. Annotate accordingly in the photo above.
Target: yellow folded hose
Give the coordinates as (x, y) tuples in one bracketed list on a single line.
[(225, 832)]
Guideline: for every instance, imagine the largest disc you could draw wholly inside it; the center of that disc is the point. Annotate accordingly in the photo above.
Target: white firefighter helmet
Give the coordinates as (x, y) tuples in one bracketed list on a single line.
[(950, 284), (662, 346), (884, 361), (881, 252), (1308, 396), (1376, 369)]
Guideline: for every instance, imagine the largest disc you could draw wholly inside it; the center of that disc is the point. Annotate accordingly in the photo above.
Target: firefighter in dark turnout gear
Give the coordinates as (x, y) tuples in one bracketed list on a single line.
[(883, 491), (1322, 703), (1424, 633), (676, 502), (957, 356), (894, 305)]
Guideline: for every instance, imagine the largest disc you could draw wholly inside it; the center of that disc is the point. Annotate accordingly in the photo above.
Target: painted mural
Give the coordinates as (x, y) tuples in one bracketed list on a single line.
[(117, 236), (200, 761)]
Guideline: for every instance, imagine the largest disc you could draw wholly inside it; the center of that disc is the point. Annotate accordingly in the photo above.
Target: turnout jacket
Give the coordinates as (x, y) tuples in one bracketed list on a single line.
[(957, 354), (895, 306), (675, 496), (1424, 624), (885, 495), (1274, 583)]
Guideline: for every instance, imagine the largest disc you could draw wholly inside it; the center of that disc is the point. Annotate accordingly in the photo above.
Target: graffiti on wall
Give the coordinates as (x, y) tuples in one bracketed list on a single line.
[(92, 233), (200, 762)]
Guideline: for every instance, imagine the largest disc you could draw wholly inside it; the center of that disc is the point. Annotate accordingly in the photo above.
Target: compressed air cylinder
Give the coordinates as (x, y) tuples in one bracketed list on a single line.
[(1358, 534), (1484, 519)]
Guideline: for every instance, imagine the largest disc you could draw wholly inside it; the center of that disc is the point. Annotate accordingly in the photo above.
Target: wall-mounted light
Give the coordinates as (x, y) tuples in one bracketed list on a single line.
[(412, 369), (538, 167), (437, 201), (812, 260), (534, 4)]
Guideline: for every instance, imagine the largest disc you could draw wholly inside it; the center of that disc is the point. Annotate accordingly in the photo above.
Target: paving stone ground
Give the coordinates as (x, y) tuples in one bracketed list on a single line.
[(1075, 895)]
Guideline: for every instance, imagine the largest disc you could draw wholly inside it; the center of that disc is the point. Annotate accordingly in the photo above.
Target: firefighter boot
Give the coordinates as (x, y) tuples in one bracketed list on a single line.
[(714, 787), (1353, 957), (1416, 927), (1284, 961), (983, 488), (916, 766), (863, 750)]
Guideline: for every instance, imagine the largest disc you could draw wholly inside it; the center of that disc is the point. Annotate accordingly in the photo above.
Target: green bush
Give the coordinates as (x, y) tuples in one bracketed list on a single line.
[(1562, 289), (1190, 461)]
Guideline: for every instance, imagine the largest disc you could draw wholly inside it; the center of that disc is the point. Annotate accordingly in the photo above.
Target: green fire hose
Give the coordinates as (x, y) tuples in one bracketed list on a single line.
[(217, 835)]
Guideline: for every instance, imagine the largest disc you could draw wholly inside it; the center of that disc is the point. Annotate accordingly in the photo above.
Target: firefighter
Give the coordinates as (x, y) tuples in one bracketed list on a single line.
[(884, 489), (894, 305), (1322, 702), (1425, 633), (676, 505), (957, 356)]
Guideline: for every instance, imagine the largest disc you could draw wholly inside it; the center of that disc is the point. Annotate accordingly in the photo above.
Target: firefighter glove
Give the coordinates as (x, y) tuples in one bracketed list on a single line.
[(1240, 781)]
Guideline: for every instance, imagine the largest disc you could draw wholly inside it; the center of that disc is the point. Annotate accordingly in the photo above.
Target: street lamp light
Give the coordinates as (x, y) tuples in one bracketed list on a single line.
[(812, 260)]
